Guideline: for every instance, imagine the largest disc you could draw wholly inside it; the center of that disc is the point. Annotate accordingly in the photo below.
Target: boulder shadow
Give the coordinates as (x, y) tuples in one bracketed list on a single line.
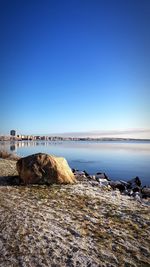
[(10, 180)]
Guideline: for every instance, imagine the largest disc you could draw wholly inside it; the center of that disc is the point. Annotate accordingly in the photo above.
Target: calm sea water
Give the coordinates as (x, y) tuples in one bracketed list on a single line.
[(119, 160)]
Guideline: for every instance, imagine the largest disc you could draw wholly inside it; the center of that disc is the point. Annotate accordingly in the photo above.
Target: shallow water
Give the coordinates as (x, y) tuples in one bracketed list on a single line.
[(119, 160)]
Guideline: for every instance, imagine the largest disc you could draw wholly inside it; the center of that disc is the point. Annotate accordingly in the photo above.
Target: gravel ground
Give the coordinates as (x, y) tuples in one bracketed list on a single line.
[(70, 225)]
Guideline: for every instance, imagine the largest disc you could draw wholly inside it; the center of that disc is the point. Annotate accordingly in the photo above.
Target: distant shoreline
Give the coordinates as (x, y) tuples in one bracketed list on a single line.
[(59, 138)]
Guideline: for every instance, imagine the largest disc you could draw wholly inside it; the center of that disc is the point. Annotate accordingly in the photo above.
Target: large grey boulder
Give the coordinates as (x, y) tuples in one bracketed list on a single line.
[(41, 168)]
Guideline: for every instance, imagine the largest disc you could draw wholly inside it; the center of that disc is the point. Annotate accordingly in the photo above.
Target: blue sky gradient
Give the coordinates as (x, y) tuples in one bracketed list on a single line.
[(74, 66)]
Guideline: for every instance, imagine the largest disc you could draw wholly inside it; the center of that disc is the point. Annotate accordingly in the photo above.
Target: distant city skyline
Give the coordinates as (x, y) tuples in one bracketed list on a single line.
[(130, 133), (75, 67)]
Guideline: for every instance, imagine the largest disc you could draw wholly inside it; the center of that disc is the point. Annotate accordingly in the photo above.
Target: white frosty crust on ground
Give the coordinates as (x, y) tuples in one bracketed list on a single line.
[(71, 225)]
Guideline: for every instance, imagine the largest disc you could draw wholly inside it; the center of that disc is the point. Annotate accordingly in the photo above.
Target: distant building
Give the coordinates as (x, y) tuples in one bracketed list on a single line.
[(37, 137), (13, 133), (19, 136)]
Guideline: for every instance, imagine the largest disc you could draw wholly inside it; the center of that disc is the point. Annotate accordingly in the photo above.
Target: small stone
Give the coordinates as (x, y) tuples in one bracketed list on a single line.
[(74, 232)]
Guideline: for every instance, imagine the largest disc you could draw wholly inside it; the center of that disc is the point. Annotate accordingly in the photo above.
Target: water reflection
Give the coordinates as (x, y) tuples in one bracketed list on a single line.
[(77, 145), (80, 145), (13, 147)]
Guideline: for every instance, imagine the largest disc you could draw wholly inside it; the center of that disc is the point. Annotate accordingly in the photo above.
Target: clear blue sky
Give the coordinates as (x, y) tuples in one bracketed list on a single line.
[(76, 65)]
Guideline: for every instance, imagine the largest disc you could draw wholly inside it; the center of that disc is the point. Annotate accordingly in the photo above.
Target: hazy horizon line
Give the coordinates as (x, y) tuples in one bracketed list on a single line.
[(100, 132), (97, 133), (104, 132)]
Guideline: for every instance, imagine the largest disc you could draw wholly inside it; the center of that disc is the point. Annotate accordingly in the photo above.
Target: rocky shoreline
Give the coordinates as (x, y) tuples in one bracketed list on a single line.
[(73, 225), (47, 169)]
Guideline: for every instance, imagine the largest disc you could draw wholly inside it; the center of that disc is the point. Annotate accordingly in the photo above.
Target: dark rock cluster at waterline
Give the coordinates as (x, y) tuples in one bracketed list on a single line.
[(132, 187)]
